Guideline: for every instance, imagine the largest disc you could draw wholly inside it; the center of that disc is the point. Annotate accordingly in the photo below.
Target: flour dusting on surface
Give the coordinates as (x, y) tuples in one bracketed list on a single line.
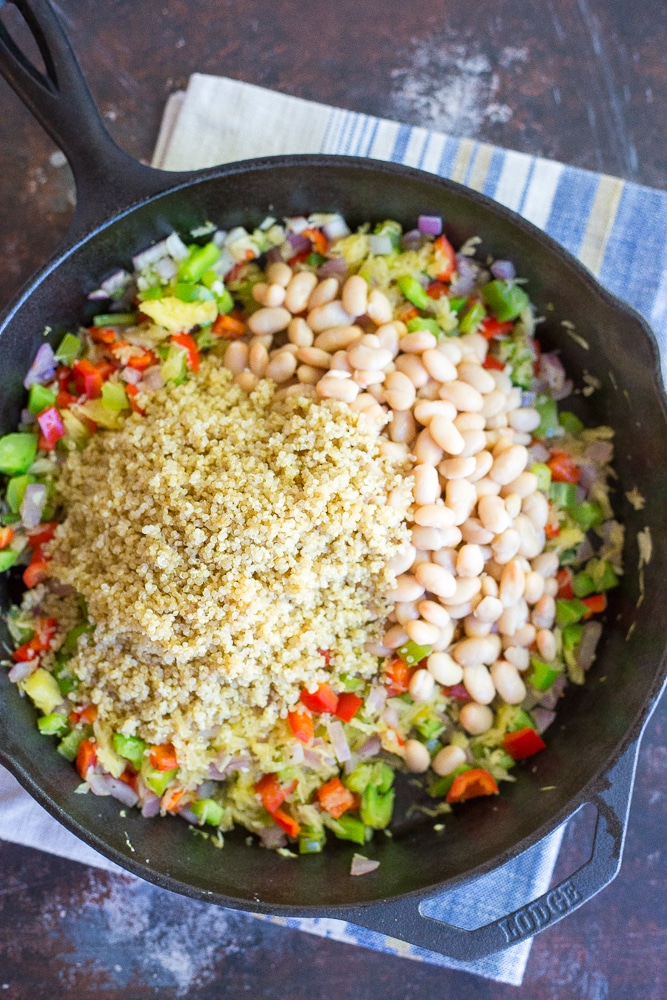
[(450, 86)]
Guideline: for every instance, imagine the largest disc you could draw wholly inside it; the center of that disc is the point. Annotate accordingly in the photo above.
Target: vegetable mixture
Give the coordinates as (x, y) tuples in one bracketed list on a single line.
[(298, 509)]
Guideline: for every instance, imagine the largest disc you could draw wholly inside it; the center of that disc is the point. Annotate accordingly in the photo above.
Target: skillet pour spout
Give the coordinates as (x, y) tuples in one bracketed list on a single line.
[(123, 207)]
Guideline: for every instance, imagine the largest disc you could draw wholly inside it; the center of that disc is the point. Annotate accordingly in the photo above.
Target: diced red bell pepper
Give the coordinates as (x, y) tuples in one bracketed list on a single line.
[(185, 341), (397, 676), (563, 468), (552, 527), (318, 239), (228, 327), (64, 376), (564, 581), (106, 369), (129, 777), (493, 364), (322, 700), (492, 327), (596, 604), (51, 426), (140, 362), (289, 825), (42, 534), (301, 724), (471, 784), (45, 629), (163, 757), (132, 393), (348, 705), (446, 257), (173, 799), (64, 399), (87, 379), (102, 334), (272, 793), (335, 798), (437, 290), (6, 537), (86, 757), (522, 743), (35, 573)]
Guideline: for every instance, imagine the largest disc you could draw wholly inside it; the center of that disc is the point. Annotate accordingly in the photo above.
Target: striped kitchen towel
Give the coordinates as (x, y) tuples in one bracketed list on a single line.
[(615, 227)]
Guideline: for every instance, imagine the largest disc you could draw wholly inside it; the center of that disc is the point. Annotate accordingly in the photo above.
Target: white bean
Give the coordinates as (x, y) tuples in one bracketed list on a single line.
[(475, 718), (544, 612), (246, 381), (525, 419), (299, 290), (476, 376), (512, 583), (402, 561), (470, 652), (399, 391), (513, 618), (466, 590), (372, 359), (405, 611), (444, 669), (532, 538), (407, 588), (417, 342), (434, 613), (338, 338), (493, 514), (474, 441), (445, 434), (421, 632), (462, 395), (236, 357), (518, 656), (325, 292), (474, 531), (546, 563), (489, 609), (447, 760), (522, 486), (508, 682), (426, 487), (355, 295), (402, 426), (536, 509), (268, 321), (438, 366), (509, 464), (417, 758), (478, 683), (546, 644), (426, 450), (436, 579), (411, 366), (329, 314), (379, 307), (506, 545), (426, 538), (460, 497), (534, 587), (421, 686), (345, 390), (395, 636), (314, 357), (494, 404), (281, 367), (469, 561), (434, 515)]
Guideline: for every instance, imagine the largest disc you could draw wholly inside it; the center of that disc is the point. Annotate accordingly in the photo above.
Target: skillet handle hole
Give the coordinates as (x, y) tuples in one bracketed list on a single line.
[(23, 39)]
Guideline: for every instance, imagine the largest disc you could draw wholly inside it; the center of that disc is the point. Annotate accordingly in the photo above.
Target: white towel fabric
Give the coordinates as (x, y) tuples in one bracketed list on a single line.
[(607, 222)]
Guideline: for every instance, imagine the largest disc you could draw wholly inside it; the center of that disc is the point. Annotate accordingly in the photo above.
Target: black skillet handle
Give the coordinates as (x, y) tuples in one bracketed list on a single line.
[(107, 179), (406, 920)]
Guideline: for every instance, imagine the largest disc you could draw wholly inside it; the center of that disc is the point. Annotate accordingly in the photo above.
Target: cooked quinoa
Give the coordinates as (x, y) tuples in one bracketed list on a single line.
[(221, 542)]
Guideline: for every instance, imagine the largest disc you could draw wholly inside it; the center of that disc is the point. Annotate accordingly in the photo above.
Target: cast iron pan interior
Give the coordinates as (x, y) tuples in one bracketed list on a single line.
[(593, 725)]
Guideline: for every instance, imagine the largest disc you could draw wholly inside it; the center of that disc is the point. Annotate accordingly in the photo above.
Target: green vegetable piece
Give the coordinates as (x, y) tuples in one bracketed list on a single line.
[(129, 747), (68, 350), (16, 488), (521, 719), (71, 640), (350, 828), (472, 317), (7, 559), (158, 781), (414, 291), (571, 636), (542, 674), (116, 319), (315, 259), (192, 293), (505, 300), (69, 745), (225, 302), (563, 494), (424, 323), (412, 653), (150, 294), (174, 368), (53, 724), (205, 339), (583, 585), (547, 408), (17, 453), (543, 473), (376, 808), (199, 261), (67, 682), (114, 396), (8, 519), (383, 776), (457, 304), (311, 841), (571, 422), (391, 229), (602, 573), (588, 514), (208, 811), (438, 789), (429, 727), (569, 612), (40, 398)]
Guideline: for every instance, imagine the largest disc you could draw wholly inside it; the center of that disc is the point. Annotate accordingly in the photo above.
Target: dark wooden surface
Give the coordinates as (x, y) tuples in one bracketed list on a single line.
[(584, 81)]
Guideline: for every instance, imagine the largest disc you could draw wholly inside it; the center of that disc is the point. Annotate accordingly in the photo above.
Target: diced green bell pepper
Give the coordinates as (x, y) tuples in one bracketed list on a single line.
[(68, 350), (543, 473), (158, 781), (588, 514), (225, 301), (114, 396), (412, 653), (7, 559), (602, 573), (424, 323), (547, 408), (472, 317), (17, 453), (414, 291), (571, 423), (69, 745), (208, 811), (541, 674), (563, 494), (521, 720), (71, 640), (311, 841), (192, 293), (150, 294), (16, 488), (53, 724), (116, 319), (583, 585), (505, 300), (457, 304), (571, 636), (429, 727), (67, 682), (569, 612), (439, 788), (349, 828), (392, 230), (130, 747), (40, 398), (376, 808), (199, 260)]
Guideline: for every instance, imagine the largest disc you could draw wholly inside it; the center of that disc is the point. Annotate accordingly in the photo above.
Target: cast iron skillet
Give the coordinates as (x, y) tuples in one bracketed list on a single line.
[(122, 207)]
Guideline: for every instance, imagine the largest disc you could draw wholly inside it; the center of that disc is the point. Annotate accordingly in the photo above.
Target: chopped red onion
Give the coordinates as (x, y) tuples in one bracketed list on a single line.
[(176, 248), (272, 837), (150, 255), (296, 753), (467, 276), (105, 784), (166, 268), (131, 375), (585, 551), (375, 699), (588, 644), (115, 282), (551, 697), (543, 718), (219, 237), (552, 371), (538, 452), (335, 267), (274, 256), (28, 418), (98, 295), (43, 368), (504, 270), (338, 740), (362, 866), (32, 504), (412, 240), (153, 378), (151, 806), (297, 224), (298, 243), (390, 716), (430, 224), (187, 814), (20, 671), (587, 475), (336, 228), (370, 748), (380, 245)]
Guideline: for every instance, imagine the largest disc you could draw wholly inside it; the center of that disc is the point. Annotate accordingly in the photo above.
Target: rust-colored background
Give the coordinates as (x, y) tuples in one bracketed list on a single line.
[(583, 81)]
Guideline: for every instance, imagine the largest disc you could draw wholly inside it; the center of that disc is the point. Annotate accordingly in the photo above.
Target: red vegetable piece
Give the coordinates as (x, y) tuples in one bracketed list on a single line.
[(523, 743), (492, 327), (42, 534), (596, 603), (322, 700), (348, 705), (471, 784), (35, 573), (563, 468), (87, 379), (493, 364), (187, 342), (436, 290), (289, 825), (51, 426), (86, 757), (272, 793), (457, 691), (397, 676), (163, 757), (446, 257), (6, 537), (335, 798), (564, 581), (301, 725)]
